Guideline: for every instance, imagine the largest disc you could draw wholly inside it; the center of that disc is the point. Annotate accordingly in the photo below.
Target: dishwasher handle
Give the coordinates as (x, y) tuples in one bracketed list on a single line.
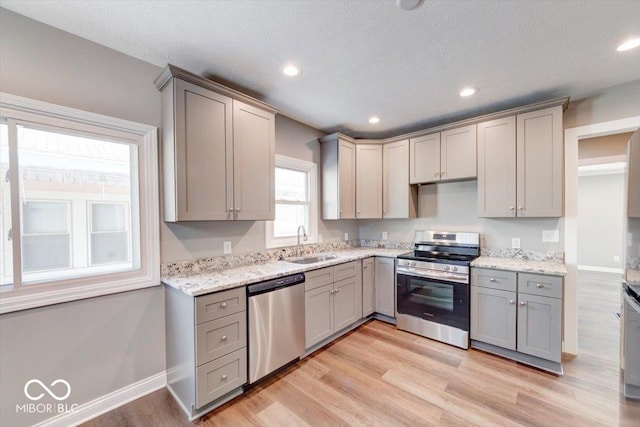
[(275, 284)]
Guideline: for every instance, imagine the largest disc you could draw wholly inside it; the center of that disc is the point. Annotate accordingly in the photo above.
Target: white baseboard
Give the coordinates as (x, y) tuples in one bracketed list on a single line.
[(88, 411), (600, 269)]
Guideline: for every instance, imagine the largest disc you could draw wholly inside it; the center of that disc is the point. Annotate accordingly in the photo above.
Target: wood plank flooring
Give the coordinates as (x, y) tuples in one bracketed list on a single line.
[(377, 375)]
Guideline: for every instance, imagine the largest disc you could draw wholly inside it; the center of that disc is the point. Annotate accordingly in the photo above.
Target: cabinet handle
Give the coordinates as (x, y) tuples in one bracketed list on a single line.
[(224, 378), (230, 210), (511, 301), (522, 303), (223, 305), (436, 174), (520, 208), (223, 338), (365, 267), (337, 290), (539, 286), (443, 173), (492, 280), (511, 208), (237, 209)]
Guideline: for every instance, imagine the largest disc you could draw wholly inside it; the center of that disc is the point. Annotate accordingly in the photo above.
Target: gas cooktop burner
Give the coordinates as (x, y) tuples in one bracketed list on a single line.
[(445, 248)]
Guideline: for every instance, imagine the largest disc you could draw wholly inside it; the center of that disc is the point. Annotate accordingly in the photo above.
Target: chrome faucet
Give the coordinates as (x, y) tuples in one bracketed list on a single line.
[(304, 238)]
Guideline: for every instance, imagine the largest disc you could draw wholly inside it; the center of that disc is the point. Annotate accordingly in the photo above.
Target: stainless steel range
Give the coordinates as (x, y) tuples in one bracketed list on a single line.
[(433, 286)]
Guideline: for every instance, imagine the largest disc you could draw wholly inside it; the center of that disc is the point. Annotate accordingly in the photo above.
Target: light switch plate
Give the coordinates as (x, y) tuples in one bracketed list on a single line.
[(226, 248), (551, 236), (384, 235), (346, 236), (319, 238), (515, 243)]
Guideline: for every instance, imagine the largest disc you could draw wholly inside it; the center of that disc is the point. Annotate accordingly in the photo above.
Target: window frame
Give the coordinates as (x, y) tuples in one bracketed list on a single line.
[(311, 169), (18, 109), (90, 232)]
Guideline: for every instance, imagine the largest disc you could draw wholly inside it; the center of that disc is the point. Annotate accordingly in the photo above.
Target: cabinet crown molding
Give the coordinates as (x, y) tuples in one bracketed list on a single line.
[(473, 120), (171, 71)]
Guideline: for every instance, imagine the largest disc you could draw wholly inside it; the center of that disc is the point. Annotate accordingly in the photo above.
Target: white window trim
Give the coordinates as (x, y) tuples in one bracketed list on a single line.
[(312, 234), (148, 275)]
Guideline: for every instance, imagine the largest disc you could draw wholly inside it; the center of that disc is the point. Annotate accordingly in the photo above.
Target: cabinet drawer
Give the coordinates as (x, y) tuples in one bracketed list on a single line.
[(536, 284), (217, 378), (220, 337), (316, 278), (346, 270), (220, 304), (494, 279)]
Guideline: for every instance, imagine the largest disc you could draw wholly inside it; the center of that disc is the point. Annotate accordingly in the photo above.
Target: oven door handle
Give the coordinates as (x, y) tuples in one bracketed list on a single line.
[(432, 274), (632, 302)]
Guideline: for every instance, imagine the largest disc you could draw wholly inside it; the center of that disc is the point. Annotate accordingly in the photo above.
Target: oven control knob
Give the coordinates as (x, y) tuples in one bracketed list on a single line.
[(454, 268), (446, 268)]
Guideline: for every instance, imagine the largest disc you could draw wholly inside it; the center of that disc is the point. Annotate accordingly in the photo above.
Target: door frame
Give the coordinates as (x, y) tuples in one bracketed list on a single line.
[(571, 138)]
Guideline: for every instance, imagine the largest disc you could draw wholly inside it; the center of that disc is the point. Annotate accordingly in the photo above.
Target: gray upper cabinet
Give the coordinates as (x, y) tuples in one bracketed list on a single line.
[(368, 181), (446, 155), (254, 153), (218, 151), (497, 168), (338, 177), (520, 165), (385, 286), (540, 163), (400, 200), (424, 156), (633, 176)]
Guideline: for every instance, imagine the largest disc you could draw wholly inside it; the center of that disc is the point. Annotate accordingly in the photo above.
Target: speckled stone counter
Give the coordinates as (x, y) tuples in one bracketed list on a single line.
[(204, 282), (551, 267)]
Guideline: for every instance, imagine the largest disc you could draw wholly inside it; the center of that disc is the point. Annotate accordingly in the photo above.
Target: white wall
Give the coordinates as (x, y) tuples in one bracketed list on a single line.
[(600, 220), (453, 207)]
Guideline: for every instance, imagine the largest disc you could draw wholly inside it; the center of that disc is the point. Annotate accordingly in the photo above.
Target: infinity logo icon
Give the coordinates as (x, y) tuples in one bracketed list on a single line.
[(51, 393)]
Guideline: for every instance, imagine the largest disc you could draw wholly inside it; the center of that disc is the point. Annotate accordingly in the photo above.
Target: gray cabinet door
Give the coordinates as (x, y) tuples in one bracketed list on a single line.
[(253, 163), (458, 153), (493, 316), (368, 289), (385, 286), (347, 180), (497, 168), (424, 159), (399, 199), (633, 176), (318, 304), (540, 163), (345, 306), (203, 155), (540, 326), (369, 181)]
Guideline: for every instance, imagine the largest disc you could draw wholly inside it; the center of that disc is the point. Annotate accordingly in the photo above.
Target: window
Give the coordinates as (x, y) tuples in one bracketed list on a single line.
[(82, 191), (296, 202)]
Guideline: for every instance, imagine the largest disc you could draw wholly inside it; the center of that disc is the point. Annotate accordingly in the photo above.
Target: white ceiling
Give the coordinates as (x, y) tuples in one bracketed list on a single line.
[(361, 58)]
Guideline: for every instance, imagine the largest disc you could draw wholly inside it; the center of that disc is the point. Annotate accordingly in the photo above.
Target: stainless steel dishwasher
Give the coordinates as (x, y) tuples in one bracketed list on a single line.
[(276, 324)]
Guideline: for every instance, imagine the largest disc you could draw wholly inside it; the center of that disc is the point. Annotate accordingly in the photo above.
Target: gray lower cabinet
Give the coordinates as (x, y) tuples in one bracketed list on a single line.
[(368, 287), (331, 306), (520, 313), (385, 286), (206, 344)]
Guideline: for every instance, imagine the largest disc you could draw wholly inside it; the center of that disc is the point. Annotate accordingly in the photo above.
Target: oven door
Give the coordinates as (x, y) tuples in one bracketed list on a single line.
[(438, 301)]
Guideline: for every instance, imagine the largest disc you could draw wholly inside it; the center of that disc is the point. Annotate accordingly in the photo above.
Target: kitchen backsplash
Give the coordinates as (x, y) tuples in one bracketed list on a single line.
[(531, 255)]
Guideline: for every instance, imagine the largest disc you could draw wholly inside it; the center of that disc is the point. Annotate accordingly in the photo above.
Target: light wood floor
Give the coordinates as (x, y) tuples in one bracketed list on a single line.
[(377, 375)]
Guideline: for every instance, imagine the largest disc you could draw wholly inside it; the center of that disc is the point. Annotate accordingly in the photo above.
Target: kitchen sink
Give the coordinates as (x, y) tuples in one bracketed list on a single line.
[(314, 259)]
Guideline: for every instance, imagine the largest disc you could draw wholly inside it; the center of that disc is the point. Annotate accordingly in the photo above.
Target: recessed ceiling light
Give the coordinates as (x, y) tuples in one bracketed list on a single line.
[(374, 119), (628, 45), (468, 91), (292, 70)]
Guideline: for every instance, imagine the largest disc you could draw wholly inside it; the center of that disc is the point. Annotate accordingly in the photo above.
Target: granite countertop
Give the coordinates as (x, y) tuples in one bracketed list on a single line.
[(206, 282), (553, 268)]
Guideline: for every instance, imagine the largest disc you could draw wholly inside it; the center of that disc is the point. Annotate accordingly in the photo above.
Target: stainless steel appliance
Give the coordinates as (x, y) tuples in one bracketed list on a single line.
[(433, 286), (631, 341), (276, 324)]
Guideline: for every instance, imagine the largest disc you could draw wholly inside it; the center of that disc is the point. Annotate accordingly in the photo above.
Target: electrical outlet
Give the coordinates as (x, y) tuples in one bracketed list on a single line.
[(551, 236), (384, 235), (515, 243), (616, 258), (319, 238), (226, 247), (346, 236), (629, 239)]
